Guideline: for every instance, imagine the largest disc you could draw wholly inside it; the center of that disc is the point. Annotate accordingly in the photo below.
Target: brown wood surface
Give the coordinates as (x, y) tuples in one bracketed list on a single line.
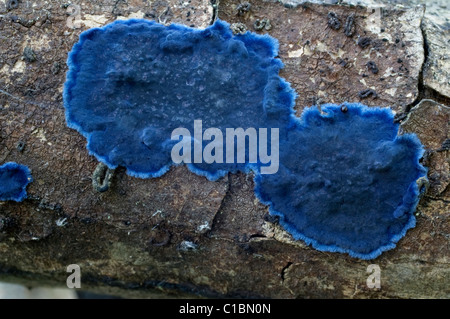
[(181, 235)]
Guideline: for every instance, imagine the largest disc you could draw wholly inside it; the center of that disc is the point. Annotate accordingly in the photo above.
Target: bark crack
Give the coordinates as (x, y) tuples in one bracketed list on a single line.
[(221, 206), (284, 270)]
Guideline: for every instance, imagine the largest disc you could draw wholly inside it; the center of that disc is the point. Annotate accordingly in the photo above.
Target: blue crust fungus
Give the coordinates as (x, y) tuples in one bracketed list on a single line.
[(14, 179), (346, 181), (131, 83)]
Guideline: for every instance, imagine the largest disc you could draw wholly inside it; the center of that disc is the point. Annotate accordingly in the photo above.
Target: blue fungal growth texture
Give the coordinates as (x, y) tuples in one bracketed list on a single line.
[(131, 83), (346, 182), (14, 179)]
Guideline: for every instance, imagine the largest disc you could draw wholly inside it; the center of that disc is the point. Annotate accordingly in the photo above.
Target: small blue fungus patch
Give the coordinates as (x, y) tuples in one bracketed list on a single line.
[(347, 181), (131, 83), (14, 179)]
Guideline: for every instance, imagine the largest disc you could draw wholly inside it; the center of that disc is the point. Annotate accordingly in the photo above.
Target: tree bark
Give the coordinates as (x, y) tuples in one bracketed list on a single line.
[(181, 235)]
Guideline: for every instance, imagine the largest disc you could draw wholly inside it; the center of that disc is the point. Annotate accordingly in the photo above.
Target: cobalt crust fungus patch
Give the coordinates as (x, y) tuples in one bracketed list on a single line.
[(346, 181), (14, 179), (131, 83)]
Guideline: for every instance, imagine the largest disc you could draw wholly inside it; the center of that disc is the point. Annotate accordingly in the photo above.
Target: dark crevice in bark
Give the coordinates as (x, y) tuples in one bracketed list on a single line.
[(424, 91), (222, 204), (215, 6), (283, 271)]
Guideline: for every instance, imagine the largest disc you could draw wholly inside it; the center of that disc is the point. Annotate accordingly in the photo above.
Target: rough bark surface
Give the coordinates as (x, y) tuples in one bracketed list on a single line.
[(328, 65), (181, 235)]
